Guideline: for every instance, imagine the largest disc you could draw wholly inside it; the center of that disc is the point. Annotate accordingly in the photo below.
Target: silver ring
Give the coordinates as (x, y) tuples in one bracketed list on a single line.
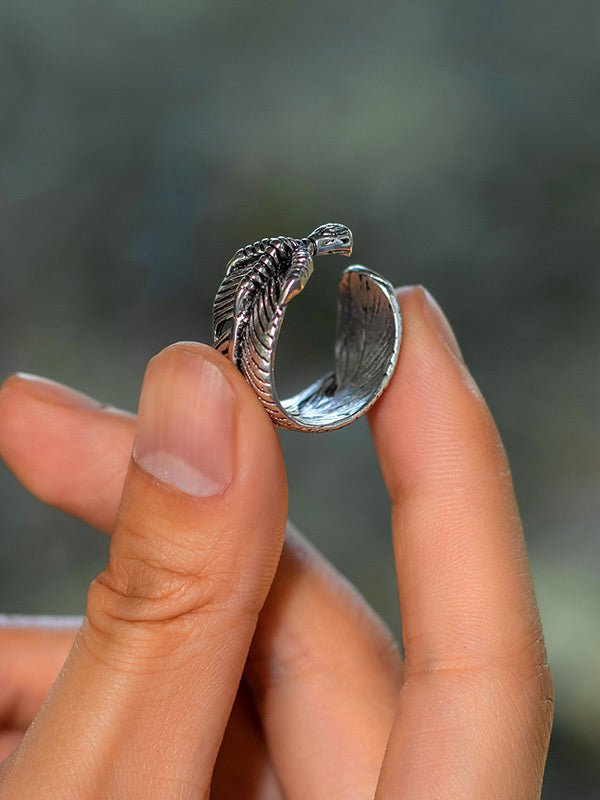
[(248, 313)]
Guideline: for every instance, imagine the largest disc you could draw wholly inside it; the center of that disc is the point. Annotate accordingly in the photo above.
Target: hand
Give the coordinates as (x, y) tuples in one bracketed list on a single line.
[(327, 708)]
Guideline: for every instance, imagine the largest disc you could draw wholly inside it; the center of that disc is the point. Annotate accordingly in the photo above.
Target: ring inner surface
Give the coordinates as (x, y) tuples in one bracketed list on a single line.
[(366, 350)]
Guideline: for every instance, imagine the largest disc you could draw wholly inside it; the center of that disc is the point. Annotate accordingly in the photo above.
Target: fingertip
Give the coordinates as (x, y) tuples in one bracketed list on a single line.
[(46, 390), (198, 411), (441, 324), (187, 422), (432, 429), (68, 449), (419, 299), (245, 394), (432, 393)]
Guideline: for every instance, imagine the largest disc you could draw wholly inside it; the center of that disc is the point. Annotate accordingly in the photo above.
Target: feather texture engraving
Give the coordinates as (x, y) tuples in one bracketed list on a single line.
[(249, 308)]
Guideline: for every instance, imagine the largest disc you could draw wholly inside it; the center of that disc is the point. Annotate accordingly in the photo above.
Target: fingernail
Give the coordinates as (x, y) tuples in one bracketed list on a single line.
[(186, 422), (440, 323), (50, 391)]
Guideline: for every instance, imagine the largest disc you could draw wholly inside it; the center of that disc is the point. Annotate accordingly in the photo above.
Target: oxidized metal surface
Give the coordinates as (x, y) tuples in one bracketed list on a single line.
[(248, 313)]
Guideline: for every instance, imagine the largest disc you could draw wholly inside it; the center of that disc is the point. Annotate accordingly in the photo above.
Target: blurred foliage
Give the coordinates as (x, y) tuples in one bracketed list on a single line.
[(142, 143)]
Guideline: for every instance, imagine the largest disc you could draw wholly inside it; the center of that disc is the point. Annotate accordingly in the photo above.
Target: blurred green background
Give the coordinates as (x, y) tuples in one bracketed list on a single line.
[(141, 143)]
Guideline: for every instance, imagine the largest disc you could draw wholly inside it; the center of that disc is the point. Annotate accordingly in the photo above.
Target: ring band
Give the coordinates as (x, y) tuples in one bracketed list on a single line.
[(248, 313)]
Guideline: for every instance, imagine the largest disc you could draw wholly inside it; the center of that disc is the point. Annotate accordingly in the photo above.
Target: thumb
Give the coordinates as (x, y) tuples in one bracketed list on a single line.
[(142, 703)]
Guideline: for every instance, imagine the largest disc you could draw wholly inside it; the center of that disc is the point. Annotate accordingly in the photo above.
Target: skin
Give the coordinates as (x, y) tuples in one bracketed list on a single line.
[(152, 693)]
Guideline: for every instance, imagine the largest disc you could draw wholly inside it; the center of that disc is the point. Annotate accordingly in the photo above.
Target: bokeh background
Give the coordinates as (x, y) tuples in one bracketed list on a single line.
[(141, 143)]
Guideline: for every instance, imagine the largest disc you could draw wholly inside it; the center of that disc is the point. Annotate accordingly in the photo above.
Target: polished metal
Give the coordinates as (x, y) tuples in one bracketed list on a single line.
[(248, 312)]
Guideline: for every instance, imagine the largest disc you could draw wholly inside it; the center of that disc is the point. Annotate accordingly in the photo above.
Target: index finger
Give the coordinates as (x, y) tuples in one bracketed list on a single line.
[(476, 680)]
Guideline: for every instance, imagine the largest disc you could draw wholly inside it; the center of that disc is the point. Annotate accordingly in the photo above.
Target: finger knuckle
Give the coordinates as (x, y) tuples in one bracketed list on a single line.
[(535, 675), (291, 664), (148, 591)]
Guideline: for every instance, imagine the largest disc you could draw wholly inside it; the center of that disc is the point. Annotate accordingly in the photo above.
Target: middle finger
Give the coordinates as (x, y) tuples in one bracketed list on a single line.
[(325, 673)]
